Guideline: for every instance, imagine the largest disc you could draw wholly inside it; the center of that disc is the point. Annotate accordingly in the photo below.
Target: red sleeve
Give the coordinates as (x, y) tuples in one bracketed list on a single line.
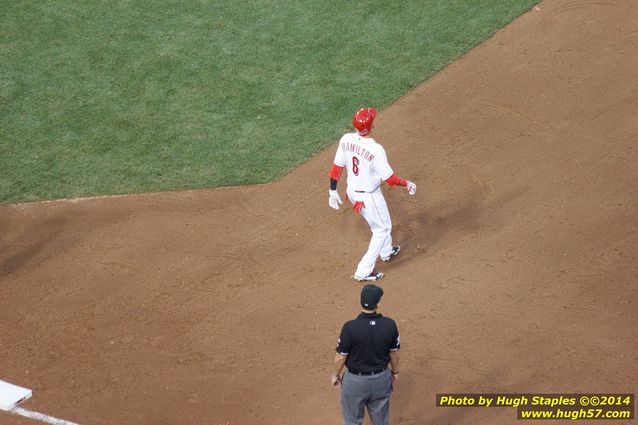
[(394, 180), (335, 172)]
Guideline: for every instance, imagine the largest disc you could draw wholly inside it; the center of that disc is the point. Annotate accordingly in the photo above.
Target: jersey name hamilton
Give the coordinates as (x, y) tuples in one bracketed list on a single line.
[(357, 149), (365, 160)]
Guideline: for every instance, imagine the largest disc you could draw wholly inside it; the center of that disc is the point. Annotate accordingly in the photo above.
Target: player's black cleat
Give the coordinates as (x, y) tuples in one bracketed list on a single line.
[(371, 277), (393, 253)]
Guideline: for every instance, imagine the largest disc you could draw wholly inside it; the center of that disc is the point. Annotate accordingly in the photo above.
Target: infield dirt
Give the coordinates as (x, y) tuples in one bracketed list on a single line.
[(517, 272)]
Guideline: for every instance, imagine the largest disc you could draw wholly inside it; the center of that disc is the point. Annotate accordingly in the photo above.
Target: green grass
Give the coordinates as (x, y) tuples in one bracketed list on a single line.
[(122, 96)]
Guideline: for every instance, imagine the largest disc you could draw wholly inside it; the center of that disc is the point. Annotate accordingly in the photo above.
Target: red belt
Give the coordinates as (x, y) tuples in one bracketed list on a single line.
[(363, 191)]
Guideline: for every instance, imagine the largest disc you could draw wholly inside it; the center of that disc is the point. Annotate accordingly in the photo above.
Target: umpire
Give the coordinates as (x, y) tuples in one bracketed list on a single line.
[(366, 346)]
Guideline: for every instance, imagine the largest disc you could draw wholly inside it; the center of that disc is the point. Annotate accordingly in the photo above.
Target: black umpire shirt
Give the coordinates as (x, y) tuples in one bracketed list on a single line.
[(368, 341)]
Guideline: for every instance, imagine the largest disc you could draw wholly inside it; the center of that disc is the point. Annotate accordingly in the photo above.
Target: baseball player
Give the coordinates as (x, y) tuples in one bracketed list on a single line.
[(367, 166)]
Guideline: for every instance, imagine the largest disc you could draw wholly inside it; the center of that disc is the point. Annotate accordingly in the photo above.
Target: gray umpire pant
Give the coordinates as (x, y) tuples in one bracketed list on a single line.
[(359, 392)]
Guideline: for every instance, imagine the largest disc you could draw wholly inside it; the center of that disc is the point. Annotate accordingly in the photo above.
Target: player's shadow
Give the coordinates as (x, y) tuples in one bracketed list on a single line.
[(434, 226), (17, 254)]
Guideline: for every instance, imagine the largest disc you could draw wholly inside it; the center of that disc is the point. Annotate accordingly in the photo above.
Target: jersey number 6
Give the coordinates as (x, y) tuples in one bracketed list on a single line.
[(355, 165)]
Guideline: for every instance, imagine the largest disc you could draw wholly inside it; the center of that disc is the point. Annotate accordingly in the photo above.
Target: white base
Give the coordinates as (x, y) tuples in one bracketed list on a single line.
[(12, 395)]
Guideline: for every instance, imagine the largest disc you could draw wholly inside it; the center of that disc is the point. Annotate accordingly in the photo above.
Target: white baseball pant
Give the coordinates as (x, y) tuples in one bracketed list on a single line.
[(375, 212)]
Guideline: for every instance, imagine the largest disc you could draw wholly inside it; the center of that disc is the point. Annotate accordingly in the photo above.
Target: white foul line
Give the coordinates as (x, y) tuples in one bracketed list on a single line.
[(40, 417)]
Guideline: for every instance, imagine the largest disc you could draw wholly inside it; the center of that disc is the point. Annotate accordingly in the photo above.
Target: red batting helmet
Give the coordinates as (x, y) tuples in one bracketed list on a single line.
[(362, 120)]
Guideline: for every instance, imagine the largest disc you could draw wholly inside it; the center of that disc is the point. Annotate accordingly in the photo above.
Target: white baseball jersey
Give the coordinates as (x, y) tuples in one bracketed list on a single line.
[(365, 160)]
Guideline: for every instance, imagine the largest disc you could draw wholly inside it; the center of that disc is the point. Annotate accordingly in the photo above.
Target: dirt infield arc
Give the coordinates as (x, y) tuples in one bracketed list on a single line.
[(517, 274)]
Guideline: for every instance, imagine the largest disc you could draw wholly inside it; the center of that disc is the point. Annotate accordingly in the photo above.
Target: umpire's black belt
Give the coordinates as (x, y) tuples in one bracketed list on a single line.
[(370, 372)]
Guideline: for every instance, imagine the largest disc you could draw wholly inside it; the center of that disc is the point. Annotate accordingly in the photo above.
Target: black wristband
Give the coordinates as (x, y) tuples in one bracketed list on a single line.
[(333, 184)]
